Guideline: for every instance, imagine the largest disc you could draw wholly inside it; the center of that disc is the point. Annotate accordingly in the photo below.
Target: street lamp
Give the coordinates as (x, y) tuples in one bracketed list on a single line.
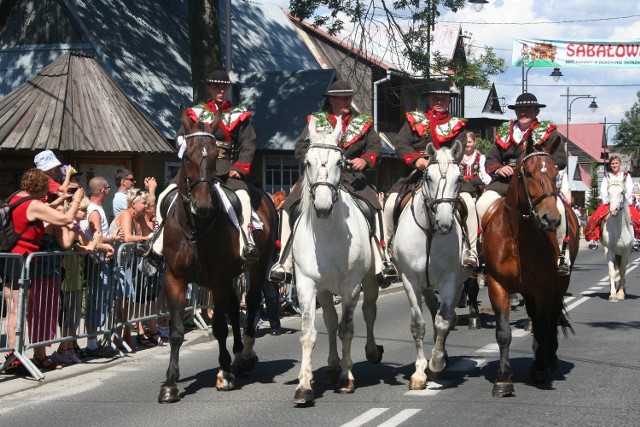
[(593, 106), (477, 4), (604, 154), (556, 74)]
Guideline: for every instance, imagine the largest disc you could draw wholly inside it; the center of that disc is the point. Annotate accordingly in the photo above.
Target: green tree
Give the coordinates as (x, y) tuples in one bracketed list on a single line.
[(407, 25), (594, 198), (628, 133), (204, 40), (483, 145)]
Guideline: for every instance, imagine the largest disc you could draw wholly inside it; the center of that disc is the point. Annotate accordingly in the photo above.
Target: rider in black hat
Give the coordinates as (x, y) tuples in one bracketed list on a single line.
[(502, 157), (362, 148), (436, 126), (236, 140)]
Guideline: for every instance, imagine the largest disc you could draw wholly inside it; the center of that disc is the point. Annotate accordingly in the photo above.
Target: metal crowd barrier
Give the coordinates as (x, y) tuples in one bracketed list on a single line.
[(54, 297)]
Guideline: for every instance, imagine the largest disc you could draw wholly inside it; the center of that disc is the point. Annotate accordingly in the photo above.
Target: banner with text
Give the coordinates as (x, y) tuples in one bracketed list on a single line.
[(575, 53)]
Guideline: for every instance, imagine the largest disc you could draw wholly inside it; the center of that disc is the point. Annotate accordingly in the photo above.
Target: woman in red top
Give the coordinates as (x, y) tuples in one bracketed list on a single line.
[(29, 218)]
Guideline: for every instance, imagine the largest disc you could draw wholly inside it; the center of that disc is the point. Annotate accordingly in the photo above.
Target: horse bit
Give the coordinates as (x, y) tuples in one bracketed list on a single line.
[(323, 172)]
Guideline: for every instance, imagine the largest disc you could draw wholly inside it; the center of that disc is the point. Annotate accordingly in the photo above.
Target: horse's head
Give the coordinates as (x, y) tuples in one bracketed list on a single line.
[(323, 166), (198, 152), (617, 198), (442, 184), (537, 195)]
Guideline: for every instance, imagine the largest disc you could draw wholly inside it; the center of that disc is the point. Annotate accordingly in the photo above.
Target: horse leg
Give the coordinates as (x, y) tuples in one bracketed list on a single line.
[(444, 320), (248, 357), (225, 380), (612, 275), (418, 328), (622, 272), (330, 317), (499, 297), (233, 314), (175, 293), (307, 301), (541, 314), (472, 289), (347, 383), (369, 310)]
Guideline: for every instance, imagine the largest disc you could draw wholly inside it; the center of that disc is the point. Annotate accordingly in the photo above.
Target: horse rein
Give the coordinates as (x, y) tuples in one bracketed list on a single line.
[(323, 168), (191, 184), (532, 203)]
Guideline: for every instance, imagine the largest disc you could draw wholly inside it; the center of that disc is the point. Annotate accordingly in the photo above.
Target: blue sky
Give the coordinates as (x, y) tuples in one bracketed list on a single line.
[(501, 21)]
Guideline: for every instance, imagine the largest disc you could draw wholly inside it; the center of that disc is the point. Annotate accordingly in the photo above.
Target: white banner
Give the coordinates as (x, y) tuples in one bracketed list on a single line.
[(575, 53)]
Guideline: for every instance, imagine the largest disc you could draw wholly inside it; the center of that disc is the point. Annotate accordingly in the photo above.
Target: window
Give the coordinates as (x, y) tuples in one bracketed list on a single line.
[(280, 173)]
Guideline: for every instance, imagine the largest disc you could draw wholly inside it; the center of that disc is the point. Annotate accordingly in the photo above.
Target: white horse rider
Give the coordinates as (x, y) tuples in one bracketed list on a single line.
[(428, 246), (362, 147), (332, 255), (617, 232), (236, 140)]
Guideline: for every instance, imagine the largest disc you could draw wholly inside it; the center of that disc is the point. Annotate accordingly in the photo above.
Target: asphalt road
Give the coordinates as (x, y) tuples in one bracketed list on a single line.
[(596, 383)]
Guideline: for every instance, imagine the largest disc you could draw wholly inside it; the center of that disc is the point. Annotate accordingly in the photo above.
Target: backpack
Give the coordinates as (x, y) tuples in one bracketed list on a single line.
[(8, 235)]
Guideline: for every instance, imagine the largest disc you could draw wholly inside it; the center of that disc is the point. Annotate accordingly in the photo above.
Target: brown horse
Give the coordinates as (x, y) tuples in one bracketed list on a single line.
[(201, 245), (521, 252)]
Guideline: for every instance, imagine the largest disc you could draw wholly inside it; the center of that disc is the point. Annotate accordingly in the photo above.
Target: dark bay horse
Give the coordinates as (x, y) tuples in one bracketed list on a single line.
[(521, 252), (201, 245)]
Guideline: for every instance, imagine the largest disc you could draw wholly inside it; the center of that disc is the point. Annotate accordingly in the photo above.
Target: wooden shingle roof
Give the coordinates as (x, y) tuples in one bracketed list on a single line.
[(73, 105)]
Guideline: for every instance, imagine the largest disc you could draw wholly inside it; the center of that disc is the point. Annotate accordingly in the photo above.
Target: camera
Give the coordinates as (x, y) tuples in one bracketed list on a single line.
[(72, 190)]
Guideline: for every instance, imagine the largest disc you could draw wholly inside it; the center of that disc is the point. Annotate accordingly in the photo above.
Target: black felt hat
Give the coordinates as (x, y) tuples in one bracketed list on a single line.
[(339, 88), (218, 77), (526, 100), (440, 87)]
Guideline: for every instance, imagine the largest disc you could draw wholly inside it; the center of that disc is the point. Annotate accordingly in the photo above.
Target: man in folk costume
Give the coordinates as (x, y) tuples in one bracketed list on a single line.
[(236, 140), (362, 148), (436, 126), (617, 175), (509, 144)]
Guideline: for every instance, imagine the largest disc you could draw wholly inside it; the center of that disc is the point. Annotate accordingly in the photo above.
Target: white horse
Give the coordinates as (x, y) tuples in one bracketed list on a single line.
[(617, 239), (427, 250), (332, 255)]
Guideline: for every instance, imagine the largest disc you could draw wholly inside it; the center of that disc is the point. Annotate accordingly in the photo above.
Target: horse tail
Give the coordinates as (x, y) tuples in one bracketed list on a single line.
[(565, 325)]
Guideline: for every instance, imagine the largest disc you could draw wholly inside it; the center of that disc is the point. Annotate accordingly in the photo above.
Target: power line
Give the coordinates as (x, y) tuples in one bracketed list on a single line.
[(573, 21)]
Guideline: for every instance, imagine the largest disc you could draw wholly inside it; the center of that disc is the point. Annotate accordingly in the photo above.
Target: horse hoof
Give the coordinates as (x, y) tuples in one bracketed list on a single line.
[(346, 386), (303, 397), (539, 376), (528, 326), (225, 384), (168, 394), (376, 357), (249, 364), (331, 376), (474, 323), (417, 384), (620, 296), (503, 390), (613, 298)]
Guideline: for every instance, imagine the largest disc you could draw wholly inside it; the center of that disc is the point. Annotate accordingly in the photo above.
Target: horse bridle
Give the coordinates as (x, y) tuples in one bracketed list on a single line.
[(186, 198), (533, 203), (323, 165)]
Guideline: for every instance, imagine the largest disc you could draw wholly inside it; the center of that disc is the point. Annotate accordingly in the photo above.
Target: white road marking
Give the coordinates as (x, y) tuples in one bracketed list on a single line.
[(577, 303), (489, 348), (366, 417), (398, 419), (466, 365), (433, 388)]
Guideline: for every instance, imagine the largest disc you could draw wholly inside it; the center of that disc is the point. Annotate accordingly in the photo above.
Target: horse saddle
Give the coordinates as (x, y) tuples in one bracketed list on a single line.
[(231, 195), (365, 207)]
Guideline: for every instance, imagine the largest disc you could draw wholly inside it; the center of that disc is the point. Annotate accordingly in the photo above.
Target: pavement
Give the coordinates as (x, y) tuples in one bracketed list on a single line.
[(11, 383)]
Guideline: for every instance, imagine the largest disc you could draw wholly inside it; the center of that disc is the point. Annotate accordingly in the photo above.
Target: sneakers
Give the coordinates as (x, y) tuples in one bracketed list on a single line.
[(563, 267), (65, 357), (279, 275), (102, 352), (470, 260)]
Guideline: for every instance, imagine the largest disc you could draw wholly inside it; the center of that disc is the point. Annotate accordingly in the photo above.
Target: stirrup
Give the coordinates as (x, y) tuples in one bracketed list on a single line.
[(250, 253), (470, 260), (563, 267), (387, 275), (279, 275)]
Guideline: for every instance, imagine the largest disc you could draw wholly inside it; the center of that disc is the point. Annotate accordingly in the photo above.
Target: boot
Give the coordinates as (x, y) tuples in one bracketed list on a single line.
[(249, 251), (563, 266), (470, 256), (388, 273), (281, 269)]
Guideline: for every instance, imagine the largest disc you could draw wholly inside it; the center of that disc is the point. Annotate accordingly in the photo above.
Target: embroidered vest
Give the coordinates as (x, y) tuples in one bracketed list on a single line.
[(354, 130)]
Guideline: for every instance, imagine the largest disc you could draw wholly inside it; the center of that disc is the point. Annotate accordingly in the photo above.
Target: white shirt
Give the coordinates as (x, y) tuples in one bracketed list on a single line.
[(620, 177)]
